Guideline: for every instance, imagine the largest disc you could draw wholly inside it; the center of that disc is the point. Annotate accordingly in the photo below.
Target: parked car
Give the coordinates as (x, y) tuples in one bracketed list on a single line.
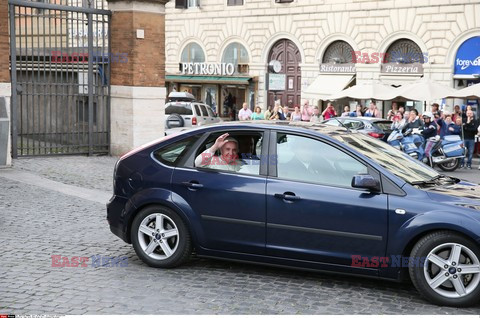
[(376, 127), (182, 110), (303, 195)]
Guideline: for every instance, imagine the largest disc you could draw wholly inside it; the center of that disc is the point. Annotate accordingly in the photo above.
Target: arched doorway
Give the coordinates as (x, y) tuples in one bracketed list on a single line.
[(289, 56)]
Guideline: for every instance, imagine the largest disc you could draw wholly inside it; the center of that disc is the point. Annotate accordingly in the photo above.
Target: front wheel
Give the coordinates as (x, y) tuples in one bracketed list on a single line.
[(450, 165), (160, 237), (450, 275)]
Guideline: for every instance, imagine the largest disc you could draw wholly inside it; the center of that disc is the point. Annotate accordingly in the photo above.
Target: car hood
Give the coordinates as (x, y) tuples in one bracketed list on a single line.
[(460, 193)]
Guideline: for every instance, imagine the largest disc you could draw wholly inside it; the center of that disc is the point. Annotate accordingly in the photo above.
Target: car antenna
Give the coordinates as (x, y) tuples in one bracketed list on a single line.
[(348, 129)]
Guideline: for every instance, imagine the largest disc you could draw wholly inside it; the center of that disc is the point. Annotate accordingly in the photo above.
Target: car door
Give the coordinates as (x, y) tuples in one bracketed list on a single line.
[(230, 206), (204, 119), (313, 213), (211, 116)]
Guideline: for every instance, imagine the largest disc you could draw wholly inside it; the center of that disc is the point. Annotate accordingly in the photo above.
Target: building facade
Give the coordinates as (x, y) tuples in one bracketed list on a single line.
[(227, 52)]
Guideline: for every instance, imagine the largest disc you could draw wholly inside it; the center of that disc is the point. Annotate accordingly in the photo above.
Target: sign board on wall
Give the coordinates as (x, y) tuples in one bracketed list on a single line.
[(219, 69), (467, 60), (338, 68), (396, 68), (276, 82)]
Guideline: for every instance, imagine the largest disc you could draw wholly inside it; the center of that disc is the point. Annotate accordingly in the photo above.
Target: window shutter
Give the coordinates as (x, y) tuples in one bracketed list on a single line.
[(181, 4)]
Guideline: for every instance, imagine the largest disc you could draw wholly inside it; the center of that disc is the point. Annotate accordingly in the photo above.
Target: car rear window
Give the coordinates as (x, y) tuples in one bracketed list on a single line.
[(170, 155), (179, 108), (383, 125)]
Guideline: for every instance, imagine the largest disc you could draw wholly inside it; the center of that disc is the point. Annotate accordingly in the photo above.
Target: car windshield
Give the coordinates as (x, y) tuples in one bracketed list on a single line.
[(395, 161)]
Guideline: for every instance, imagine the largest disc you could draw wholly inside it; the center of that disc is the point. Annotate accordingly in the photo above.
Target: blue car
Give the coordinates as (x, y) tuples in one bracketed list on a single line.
[(301, 195)]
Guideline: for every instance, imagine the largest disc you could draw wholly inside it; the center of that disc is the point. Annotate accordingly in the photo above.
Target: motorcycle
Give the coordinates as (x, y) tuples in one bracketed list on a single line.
[(446, 153)]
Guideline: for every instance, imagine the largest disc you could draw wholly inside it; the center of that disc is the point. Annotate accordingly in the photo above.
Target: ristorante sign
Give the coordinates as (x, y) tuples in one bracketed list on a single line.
[(337, 68), (219, 69)]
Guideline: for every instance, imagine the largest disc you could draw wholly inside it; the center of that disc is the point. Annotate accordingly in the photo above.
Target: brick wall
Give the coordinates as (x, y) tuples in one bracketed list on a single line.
[(146, 57), (4, 43)]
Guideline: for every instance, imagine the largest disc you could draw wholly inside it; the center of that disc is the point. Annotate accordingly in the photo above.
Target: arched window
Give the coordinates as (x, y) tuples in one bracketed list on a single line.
[(235, 53), (404, 51), (338, 52), (193, 53)]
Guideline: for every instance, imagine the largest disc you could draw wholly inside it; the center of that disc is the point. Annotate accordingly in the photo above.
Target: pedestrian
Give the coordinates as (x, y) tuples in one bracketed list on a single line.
[(359, 111), (346, 111), (307, 111), (268, 113), (456, 113), (257, 115), (296, 115), (392, 112), (245, 113), (329, 112), (447, 126), (372, 111), (316, 117), (470, 128), (413, 120)]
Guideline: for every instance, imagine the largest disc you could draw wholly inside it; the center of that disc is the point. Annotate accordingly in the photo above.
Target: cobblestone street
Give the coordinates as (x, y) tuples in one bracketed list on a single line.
[(37, 222)]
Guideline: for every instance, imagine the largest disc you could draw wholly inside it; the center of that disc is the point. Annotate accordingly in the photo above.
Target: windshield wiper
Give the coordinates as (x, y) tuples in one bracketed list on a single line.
[(435, 180)]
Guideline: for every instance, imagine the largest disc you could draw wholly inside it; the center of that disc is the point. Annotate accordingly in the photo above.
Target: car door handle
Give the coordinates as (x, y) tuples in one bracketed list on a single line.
[(287, 196), (193, 184)]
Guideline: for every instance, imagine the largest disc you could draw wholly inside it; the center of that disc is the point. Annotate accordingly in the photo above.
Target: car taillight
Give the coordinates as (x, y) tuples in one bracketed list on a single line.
[(194, 120), (376, 135)]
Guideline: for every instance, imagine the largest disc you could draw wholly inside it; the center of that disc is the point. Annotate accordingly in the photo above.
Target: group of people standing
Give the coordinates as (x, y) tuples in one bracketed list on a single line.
[(278, 112), (441, 123)]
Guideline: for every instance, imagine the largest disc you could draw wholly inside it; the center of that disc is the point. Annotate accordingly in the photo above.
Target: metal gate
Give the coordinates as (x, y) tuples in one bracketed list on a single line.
[(60, 69)]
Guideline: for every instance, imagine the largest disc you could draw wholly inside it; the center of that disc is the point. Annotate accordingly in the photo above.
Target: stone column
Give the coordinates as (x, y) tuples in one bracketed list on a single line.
[(137, 85), (5, 81)]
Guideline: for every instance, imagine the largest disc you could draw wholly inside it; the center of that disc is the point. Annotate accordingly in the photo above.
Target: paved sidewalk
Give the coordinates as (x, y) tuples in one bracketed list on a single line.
[(44, 211)]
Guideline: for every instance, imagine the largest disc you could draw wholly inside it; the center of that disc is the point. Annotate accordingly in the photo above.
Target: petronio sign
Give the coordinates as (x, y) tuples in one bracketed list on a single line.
[(219, 69)]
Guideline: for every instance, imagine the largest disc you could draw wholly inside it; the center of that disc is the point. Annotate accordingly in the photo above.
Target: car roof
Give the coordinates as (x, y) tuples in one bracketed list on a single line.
[(274, 124), (363, 118)]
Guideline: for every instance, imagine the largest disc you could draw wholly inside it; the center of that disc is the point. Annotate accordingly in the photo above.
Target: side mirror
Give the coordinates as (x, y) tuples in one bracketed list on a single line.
[(366, 182)]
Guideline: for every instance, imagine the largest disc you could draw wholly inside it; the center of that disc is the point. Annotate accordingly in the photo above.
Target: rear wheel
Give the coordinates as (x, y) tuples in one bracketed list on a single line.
[(450, 275), (160, 237), (451, 165)]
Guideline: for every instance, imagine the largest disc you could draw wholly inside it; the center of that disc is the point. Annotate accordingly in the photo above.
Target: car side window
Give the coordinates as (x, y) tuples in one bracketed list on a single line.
[(210, 112), (247, 155), (197, 110), (309, 160), (171, 154), (204, 111)]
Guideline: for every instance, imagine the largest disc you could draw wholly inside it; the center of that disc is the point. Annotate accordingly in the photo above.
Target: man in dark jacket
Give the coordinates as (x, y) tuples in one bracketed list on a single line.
[(448, 127), (470, 126), (429, 131)]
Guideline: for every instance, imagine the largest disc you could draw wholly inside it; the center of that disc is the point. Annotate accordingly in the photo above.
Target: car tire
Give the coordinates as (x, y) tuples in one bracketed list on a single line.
[(165, 245), (173, 118), (450, 273), (450, 165)]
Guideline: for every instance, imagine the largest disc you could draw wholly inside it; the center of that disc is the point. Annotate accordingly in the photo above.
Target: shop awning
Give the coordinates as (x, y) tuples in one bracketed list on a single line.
[(327, 84), (189, 79)]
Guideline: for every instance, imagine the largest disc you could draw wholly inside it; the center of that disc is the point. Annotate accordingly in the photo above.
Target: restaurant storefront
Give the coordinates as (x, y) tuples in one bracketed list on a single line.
[(225, 86)]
